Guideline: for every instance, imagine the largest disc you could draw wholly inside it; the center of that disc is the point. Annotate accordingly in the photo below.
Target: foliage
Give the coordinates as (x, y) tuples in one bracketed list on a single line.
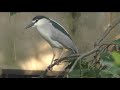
[(107, 66)]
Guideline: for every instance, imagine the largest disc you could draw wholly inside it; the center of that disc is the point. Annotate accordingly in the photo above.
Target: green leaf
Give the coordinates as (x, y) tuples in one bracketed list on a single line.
[(116, 57), (75, 74), (117, 42), (112, 72), (115, 70), (106, 74), (90, 72), (12, 13), (106, 57)]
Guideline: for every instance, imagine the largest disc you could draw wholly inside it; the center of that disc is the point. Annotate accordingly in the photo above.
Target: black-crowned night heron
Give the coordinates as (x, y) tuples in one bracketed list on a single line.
[(54, 34)]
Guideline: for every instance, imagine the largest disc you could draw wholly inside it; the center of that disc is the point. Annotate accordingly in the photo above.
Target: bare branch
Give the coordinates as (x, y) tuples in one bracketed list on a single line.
[(57, 62), (107, 31), (82, 56)]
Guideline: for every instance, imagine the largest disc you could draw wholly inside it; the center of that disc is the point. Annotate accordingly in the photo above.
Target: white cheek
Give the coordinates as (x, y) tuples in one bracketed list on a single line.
[(41, 22), (33, 26)]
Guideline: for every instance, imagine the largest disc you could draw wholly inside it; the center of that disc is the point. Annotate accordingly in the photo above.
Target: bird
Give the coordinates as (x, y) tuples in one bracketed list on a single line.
[(54, 33)]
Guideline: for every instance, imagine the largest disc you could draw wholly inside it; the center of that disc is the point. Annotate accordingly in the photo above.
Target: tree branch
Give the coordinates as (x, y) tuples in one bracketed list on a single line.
[(107, 31), (97, 44), (82, 56), (56, 62)]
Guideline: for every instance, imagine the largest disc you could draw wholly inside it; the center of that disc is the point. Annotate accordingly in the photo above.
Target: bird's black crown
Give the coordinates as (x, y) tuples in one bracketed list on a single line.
[(39, 17)]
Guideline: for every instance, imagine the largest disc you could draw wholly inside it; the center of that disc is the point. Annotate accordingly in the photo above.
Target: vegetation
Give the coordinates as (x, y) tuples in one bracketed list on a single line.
[(104, 64)]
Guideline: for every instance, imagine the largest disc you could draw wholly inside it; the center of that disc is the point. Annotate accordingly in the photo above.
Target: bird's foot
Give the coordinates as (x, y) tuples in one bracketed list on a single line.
[(56, 60), (49, 68)]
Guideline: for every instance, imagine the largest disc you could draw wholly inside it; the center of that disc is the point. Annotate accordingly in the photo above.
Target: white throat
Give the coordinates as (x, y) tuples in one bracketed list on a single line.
[(41, 22)]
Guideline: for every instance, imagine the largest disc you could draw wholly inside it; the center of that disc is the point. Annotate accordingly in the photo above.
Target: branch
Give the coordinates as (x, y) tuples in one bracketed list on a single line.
[(82, 56), (107, 31), (56, 62), (69, 57)]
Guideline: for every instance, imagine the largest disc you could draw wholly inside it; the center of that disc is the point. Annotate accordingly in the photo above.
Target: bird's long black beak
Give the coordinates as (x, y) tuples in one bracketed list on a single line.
[(30, 25)]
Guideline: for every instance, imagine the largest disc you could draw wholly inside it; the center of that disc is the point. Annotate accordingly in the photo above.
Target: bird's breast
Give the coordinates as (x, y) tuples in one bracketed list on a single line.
[(47, 33), (44, 32)]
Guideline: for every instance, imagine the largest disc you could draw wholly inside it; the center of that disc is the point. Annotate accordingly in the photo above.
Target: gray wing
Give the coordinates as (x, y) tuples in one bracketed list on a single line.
[(65, 40)]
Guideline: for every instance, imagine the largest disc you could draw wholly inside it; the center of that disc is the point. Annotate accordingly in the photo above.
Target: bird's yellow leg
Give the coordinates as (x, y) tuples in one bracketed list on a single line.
[(61, 54), (53, 55), (52, 58), (63, 50)]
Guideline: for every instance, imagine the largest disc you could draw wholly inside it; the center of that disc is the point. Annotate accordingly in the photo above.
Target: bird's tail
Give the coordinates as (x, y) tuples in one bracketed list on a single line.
[(75, 49)]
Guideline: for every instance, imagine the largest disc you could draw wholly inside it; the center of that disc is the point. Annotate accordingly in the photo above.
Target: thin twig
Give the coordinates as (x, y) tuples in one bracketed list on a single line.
[(82, 56), (107, 31)]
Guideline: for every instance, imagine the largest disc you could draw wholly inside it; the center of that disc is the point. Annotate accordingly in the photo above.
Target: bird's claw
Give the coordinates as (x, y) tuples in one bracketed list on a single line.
[(56, 60), (49, 68)]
